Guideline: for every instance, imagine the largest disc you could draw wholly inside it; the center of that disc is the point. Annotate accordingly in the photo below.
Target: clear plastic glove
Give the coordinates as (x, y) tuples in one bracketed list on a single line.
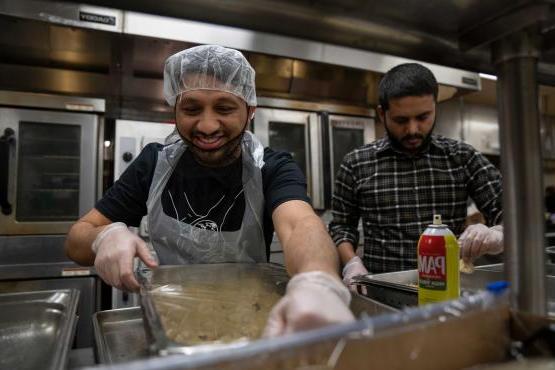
[(313, 299), (115, 247), (479, 239), (353, 268)]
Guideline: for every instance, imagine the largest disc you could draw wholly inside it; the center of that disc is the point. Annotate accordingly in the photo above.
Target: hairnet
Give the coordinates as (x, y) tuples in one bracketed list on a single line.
[(209, 67)]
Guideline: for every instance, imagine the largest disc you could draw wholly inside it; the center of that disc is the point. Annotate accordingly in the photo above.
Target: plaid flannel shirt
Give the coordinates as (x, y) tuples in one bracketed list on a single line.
[(397, 194)]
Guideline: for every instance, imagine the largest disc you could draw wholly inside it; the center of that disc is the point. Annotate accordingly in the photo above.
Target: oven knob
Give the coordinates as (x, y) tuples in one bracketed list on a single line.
[(127, 156)]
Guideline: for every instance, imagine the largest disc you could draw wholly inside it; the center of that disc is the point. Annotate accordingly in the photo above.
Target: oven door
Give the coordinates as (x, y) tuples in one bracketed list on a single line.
[(47, 170), (298, 133), (347, 133)]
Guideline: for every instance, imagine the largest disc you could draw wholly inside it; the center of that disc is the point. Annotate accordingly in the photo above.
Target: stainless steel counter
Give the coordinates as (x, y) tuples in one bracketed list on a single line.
[(37, 257)]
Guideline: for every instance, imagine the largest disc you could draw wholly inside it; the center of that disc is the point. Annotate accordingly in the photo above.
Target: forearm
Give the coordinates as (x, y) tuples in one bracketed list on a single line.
[(485, 188), (346, 252), (79, 240), (309, 248)]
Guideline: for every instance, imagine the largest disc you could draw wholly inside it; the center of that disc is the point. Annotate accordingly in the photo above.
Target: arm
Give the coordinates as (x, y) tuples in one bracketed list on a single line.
[(304, 238), (311, 257), (484, 187), (346, 252), (81, 236), (110, 246), (101, 236), (344, 225)]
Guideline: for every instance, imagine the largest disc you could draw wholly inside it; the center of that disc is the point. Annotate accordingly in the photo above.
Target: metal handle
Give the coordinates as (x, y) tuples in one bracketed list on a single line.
[(5, 141)]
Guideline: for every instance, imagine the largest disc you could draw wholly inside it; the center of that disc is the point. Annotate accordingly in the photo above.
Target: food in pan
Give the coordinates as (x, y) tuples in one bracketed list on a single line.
[(208, 312), (466, 267)]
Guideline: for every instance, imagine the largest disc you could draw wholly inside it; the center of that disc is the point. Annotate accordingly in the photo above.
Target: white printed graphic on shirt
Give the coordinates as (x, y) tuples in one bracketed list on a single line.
[(203, 221)]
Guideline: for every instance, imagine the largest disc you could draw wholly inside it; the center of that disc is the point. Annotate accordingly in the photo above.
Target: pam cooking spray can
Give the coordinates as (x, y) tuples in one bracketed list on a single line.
[(438, 264)]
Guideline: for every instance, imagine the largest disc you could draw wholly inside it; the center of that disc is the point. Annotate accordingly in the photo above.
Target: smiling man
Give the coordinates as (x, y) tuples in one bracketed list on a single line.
[(213, 194), (396, 184)]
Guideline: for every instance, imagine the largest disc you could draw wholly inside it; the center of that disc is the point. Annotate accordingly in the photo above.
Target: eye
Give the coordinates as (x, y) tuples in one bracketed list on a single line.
[(423, 117), (224, 109), (191, 110), (400, 120)]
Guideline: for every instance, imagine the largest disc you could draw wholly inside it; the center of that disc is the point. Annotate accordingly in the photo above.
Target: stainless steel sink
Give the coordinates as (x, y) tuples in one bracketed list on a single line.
[(36, 328)]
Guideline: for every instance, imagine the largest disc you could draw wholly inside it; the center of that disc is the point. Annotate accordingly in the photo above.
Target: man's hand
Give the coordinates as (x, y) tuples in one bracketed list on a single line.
[(479, 239), (353, 268), (313, 299), (115, 247)]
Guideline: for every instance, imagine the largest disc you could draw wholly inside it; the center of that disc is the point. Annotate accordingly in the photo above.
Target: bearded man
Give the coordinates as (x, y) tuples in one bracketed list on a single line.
[(396, 184)]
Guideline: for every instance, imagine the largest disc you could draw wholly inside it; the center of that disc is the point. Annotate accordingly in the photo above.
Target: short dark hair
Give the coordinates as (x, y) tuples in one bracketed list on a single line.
[(408, 79)]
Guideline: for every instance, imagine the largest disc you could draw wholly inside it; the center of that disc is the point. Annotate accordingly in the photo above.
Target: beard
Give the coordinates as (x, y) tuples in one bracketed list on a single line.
[(399, 143), (218, 157)]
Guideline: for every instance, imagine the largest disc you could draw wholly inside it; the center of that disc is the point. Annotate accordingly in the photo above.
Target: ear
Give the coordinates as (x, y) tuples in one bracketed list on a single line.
[(381, 114), (251, 113)]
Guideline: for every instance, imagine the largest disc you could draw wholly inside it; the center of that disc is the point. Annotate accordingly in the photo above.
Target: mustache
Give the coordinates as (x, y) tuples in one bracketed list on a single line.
[(197, 133), (414, 136), (231, 144)]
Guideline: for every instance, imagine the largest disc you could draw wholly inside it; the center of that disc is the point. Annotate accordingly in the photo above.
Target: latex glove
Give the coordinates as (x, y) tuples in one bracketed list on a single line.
[(115, 247), (353, 268), (479, 239), (313, 299)]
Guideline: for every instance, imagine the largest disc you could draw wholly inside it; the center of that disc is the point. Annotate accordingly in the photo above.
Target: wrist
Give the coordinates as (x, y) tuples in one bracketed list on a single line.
[(104, 233), (498, 228), (322, 280), (346, 252)]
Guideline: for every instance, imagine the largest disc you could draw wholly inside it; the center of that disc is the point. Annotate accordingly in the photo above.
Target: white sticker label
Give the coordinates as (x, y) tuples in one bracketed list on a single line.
[(76, 271)]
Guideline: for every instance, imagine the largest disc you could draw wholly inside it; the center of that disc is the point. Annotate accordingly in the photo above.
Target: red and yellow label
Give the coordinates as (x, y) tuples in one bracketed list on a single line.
[(438, 268), (432, 263)]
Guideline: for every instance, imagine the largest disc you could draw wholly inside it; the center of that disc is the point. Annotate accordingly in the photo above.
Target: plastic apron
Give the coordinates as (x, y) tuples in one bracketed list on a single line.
[(176, 242)]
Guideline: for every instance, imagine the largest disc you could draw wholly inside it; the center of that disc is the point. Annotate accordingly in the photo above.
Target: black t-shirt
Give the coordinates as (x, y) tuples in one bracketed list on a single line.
[(210, 198)]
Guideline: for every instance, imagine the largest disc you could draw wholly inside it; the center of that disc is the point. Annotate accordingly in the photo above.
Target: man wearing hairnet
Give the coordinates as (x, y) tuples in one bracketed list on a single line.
[(213, 194)]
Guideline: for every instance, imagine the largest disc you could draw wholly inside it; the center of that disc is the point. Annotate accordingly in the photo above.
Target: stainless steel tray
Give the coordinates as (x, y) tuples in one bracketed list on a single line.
[(120, 335), (208, 290), (399, 289), (37, 328), (196, 308)]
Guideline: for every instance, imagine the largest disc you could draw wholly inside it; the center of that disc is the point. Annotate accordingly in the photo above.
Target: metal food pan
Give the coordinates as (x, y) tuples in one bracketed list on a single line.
[(37, 328), (362, 305), (195, 308), (222, 304), (400, 289), (397, 289), (120, 335)]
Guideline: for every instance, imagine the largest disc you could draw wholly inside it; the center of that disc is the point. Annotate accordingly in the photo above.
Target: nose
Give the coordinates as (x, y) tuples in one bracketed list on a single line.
[(412, 127), (208, 123)]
